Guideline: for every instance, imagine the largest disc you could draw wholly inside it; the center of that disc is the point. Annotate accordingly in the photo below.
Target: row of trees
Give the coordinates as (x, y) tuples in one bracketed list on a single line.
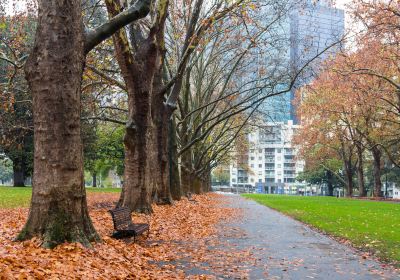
[(350, 114), (170, 77), (160, 90)]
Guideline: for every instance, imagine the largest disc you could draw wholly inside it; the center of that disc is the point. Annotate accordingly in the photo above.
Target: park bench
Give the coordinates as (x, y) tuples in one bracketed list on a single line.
[(123, 225), (190, 198)]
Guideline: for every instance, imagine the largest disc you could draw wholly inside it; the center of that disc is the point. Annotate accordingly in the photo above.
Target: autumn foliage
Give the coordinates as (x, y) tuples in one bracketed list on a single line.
[(182, 237), (351, 111)]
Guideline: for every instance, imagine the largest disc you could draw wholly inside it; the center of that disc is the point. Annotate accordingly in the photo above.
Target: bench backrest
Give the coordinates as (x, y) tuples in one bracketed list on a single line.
[(121, 218)]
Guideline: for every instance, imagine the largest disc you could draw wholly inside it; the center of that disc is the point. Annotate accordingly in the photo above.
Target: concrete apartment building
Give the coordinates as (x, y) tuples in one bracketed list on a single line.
[(271, 165)]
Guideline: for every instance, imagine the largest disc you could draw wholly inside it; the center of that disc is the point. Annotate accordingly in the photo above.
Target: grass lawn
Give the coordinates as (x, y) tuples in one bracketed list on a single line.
[(11, 197), (369, 225)]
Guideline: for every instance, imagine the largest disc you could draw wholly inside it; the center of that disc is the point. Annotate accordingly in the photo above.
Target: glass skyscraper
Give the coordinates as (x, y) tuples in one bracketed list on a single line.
[(310, 31), (316, 31)]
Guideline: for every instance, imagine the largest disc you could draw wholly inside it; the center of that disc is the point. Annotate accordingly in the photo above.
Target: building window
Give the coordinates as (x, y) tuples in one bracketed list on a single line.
[(259, 158), (260, 151), (279, 165), (260, 165), (252, 180), (233, 180), (278, 150), (251, 165), (251, 158), (260, 180)]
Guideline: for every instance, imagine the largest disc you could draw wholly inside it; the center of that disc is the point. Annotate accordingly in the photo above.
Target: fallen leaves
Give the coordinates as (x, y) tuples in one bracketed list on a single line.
[(182, 243)]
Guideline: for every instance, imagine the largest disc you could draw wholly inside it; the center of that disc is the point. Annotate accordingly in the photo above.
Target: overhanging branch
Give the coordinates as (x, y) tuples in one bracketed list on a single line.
[(94, 37)]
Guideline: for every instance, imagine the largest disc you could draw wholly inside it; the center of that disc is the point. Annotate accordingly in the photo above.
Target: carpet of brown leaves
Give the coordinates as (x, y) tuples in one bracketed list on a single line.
[(183, 243)]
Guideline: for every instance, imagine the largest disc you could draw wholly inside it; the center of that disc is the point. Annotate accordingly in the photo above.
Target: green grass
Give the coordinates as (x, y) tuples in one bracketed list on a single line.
[(369, 225), (11, 197)]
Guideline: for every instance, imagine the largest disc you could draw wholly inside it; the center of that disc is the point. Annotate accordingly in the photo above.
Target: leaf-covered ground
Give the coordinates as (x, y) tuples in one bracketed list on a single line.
[(182, 243), (372, 226)]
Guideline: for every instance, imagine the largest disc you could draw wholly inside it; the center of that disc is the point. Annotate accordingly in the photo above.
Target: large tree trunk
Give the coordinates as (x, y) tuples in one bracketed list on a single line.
[(174, 176), (329, 177), (19, 172), (349, 177), (58, 209), (187, 178), (137, 193), (360, 172), (139, 67), (161, 116), (377, 154), (94, 180)]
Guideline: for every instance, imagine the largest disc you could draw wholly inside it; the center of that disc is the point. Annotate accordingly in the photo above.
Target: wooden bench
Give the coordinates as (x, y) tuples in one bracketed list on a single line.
[(123, 225), (190, 198)]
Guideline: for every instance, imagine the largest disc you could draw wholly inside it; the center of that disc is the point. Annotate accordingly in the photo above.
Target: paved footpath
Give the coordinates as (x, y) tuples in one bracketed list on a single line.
[(287, 249)]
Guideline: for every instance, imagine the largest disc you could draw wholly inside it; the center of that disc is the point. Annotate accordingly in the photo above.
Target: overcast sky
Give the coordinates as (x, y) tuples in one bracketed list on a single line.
[(20, 4)]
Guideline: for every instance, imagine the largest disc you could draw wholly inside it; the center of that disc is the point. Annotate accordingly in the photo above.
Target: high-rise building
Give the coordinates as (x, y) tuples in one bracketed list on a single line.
[(271, 163), (316, 32), (307, 35)]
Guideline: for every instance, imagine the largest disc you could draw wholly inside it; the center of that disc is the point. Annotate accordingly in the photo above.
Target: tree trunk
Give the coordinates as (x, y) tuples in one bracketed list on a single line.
[(187, 180), (161, 116), (329, 177), (174, 178), (58, 210), (377, 154), (161, 163), (360, 172), (94, 180), (137, 193), (19, 172), (349, 178), (139, 66)]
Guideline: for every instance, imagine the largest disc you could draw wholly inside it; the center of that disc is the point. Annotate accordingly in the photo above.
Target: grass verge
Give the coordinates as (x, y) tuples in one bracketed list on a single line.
[(369, 225), (11, 197)]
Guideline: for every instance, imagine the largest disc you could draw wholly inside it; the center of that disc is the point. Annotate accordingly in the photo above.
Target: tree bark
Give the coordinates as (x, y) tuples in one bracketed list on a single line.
[(139, 68), (349, 177), (174, 176), (377, 154), (94, 180), (161, 117), (329, 177), (137, 193), (360, 172), (19, 172), (58, 209)]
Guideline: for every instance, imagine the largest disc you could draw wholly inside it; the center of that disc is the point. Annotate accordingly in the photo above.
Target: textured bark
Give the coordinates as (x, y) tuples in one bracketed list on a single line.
[(94, 180), (196, 185), (161, 169), (174, 176), (360, 172), (161, 116), (58, 209), (137, 192), (377, 154), (349, 177), (329, 177), (19, 172), (187, 179), (139, 67)]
